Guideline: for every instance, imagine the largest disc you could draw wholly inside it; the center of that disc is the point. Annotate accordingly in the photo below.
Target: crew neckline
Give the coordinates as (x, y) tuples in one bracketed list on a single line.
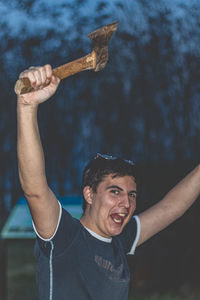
[(97, 236)]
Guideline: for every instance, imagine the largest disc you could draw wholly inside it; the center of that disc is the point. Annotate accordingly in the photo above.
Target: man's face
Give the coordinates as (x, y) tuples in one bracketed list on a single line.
[(112, 205)]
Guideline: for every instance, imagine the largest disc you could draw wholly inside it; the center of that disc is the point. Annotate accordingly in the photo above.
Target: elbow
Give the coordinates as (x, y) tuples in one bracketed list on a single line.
[(32, 192), (36, 192), (31, 195), (27, 189), (33, 189)]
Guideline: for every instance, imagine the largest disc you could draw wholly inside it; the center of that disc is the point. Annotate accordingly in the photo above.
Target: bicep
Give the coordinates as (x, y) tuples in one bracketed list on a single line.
[(45, 212)]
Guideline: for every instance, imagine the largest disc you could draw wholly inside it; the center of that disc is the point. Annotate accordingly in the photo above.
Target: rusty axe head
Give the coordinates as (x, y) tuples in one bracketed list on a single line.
[(100, 39)]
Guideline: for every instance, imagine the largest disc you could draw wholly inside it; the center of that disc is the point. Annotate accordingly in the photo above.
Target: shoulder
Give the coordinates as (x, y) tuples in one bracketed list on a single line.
[(130, 235), (66, 230)]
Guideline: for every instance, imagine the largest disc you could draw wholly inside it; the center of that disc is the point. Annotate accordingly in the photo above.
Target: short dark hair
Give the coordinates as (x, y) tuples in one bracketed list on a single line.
[(99, 167)]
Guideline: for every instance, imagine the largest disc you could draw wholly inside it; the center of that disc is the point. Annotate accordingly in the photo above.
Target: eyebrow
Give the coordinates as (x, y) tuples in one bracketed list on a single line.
[(119, 188)]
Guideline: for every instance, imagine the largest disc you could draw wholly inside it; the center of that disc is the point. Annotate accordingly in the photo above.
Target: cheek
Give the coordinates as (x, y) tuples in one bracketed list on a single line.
[(133, 205), (106, 205), (100, 204)]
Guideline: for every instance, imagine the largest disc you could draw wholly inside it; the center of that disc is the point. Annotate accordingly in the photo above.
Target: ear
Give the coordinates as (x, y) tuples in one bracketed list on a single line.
[(88, 194)]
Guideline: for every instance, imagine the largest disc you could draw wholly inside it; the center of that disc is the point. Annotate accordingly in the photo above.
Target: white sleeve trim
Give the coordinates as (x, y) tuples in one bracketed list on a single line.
[(49, 239), (132, 251)]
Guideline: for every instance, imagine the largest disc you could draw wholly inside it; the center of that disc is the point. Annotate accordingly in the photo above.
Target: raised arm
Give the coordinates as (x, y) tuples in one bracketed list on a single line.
[(43, 204), (171, 207)]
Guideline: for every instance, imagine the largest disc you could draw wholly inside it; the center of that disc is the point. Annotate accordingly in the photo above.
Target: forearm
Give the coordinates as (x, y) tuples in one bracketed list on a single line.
[(30, 153), (183, 195)]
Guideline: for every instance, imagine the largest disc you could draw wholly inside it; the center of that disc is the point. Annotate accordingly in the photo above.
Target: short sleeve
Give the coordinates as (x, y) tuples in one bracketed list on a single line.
[(130, 235), (66, 230)]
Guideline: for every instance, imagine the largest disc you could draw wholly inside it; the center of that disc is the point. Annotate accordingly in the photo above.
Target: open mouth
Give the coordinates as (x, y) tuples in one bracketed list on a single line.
[(118, 218)]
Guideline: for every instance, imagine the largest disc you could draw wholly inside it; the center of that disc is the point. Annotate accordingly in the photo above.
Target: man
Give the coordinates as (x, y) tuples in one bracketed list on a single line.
[(86, 259)]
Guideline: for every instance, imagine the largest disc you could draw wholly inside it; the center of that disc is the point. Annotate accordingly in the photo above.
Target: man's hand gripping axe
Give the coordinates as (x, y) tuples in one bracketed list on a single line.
[(96, 60)]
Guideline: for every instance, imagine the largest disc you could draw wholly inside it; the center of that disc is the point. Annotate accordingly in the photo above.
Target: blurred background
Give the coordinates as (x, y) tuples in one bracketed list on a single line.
[(143, 106)]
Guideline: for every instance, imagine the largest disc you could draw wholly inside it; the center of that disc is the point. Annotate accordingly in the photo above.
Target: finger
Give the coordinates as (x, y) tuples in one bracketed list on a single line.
[(43, 76), (38, 76), (32, 68), (30, 76), (53, 84), (48, 70)]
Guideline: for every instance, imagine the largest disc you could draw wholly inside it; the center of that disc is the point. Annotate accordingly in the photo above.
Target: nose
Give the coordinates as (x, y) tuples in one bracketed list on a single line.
[(124, 201)]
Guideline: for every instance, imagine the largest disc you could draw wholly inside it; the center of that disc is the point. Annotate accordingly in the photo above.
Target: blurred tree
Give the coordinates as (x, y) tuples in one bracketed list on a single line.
[(143, 106)]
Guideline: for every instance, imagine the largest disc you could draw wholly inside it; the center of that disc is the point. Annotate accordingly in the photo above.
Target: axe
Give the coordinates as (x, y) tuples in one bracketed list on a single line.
[(96, 60)]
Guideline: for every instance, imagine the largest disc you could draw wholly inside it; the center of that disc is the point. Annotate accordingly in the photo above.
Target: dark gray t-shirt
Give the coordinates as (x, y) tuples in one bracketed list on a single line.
[(77, 264)]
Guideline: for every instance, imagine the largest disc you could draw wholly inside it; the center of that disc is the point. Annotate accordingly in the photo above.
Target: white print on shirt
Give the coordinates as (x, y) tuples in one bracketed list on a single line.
[(115, 273)]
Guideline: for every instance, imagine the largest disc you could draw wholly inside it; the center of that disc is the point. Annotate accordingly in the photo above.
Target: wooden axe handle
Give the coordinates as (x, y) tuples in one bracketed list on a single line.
[(87, 62)]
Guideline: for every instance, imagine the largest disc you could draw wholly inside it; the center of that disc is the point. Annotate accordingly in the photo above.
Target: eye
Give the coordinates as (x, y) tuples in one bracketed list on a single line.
[(116, 192), (132, 196)]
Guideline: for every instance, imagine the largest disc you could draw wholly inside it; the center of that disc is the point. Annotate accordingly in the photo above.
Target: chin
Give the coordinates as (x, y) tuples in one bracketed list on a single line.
[(116, 231)]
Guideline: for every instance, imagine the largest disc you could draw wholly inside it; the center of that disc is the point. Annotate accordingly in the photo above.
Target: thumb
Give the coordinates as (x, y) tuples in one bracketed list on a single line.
[(54, 82)]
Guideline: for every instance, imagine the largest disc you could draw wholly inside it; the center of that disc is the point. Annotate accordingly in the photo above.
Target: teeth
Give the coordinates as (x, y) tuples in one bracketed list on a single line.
[(117, 221), (118, 218), (122, 215)]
